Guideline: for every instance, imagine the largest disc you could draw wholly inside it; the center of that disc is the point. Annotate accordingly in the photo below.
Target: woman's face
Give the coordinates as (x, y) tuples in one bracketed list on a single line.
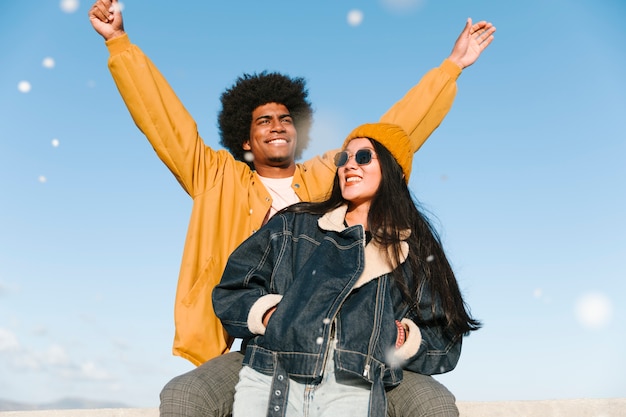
[(359, 183)]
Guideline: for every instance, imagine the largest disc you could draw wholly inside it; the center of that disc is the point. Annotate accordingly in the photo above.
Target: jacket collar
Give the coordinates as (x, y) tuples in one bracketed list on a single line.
[(377, 263)]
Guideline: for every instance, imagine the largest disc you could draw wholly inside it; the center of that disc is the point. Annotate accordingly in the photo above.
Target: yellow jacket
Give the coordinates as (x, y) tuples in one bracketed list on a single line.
[(229, 200)]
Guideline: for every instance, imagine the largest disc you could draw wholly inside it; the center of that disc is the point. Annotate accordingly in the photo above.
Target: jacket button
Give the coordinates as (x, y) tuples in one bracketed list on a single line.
[(251, 211), (296, 186)]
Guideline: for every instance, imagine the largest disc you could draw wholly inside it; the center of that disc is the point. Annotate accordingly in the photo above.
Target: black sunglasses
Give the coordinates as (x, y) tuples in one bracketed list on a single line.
[(361, 157)]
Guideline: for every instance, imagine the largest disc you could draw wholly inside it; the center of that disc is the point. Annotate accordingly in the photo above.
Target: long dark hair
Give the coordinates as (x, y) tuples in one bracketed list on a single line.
[(427, 259)]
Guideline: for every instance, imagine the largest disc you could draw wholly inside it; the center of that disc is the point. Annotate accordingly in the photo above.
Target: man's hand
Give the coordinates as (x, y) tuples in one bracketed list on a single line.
[(106, 18), (471, 43)]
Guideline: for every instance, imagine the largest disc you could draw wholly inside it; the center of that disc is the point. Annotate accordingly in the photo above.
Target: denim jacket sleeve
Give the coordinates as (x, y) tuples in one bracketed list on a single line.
[(247, 279), (439, 351)]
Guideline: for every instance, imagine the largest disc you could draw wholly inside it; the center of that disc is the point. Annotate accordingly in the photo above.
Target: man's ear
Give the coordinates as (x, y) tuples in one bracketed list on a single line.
[(246, 146)]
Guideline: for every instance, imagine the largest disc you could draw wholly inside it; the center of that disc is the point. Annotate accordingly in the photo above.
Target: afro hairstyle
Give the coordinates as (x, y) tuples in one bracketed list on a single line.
[(253, 90)]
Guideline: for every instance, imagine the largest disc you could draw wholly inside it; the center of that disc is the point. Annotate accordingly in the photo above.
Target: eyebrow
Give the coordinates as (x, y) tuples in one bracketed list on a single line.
[(267, 116)]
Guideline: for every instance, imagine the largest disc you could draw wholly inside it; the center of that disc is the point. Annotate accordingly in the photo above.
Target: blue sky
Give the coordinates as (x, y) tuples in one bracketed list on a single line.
[(526, 177)]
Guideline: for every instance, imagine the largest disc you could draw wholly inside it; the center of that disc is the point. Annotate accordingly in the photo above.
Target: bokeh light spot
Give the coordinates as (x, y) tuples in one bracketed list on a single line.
[(355, 17), (48, 62), (594, 310), (24, 86), (55, 142), (69, 6), (401, 6), (42, 179), (393, 361)]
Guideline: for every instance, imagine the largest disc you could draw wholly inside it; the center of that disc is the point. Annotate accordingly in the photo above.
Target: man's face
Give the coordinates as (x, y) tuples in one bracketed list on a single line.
[(273, 137)]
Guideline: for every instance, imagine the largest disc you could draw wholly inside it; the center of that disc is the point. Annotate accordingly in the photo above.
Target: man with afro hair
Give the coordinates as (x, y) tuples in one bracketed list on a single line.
[(264, 124), (253, 90)]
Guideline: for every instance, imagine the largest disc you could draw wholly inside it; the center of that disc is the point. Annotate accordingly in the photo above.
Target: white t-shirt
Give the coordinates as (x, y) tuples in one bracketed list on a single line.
[(282, 193)]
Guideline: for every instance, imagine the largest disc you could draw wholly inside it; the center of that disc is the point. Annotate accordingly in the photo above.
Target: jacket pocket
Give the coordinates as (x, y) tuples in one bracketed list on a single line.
[(201, 284)]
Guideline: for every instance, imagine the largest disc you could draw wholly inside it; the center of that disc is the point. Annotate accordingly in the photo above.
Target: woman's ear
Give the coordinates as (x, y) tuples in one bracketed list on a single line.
[(246, 146)]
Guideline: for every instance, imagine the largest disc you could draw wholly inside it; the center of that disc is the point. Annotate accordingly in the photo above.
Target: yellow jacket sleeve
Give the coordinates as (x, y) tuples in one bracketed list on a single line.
[(161, 116), (424, 106)]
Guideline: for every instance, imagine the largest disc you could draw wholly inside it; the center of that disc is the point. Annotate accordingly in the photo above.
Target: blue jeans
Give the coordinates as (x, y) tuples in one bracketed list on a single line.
[(329, 398)]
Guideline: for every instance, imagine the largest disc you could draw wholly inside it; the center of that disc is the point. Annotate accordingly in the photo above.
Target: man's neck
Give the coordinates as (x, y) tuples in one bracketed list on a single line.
[(275, 172)]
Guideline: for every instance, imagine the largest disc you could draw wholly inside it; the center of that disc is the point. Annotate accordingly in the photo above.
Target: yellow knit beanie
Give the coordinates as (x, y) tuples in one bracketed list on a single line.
[(391, 137)]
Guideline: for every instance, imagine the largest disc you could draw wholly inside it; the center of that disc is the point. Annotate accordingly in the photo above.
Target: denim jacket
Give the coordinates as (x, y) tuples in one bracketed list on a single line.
[(327, 283)]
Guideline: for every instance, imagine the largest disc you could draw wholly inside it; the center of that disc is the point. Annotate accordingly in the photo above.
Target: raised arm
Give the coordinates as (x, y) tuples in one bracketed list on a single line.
[(424, 106), (154, 106)]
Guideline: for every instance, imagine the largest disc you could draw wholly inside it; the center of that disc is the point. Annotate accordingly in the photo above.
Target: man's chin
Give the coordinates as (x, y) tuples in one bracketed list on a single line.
[(281, 160)]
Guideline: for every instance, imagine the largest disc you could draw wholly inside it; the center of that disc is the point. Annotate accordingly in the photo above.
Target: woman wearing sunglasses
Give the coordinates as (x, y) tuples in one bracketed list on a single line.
[(334, 299)]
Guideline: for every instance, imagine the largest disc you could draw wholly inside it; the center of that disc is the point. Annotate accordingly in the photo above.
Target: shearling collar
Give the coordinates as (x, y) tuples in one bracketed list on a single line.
[(377, 262)]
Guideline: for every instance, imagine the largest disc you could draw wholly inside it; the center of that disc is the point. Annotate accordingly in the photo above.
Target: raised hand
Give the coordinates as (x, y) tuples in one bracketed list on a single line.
[(472, 41), (106, 18)]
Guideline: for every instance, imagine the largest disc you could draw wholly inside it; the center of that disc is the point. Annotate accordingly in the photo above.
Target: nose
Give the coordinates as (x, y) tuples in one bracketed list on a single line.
[(277, 125)]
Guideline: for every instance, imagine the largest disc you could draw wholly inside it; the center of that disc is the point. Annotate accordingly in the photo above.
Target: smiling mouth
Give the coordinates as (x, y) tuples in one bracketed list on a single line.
[(353, 179), (277, 141)]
